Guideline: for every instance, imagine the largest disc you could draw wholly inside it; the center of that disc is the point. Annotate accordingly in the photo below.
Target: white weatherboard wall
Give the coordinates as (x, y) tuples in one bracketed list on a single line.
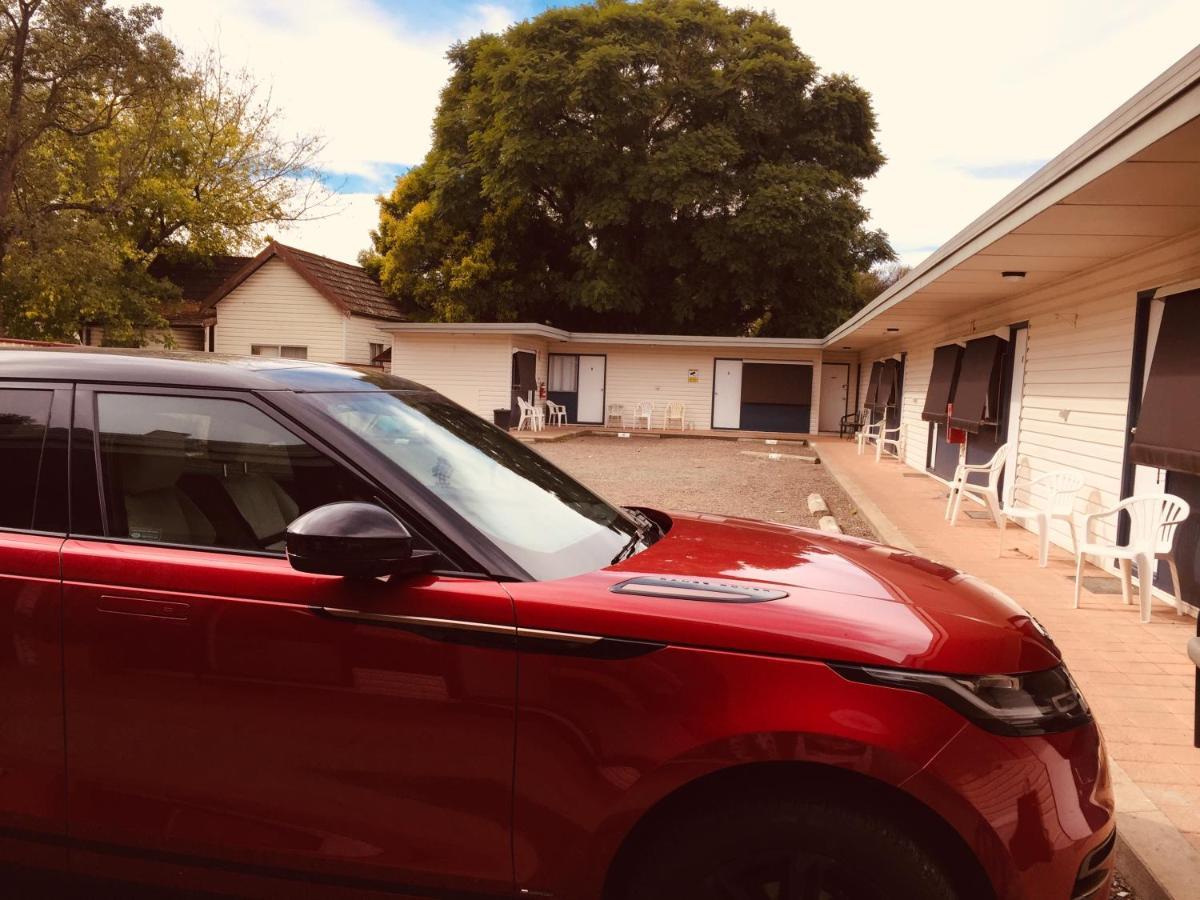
[(360, 333), (277, 306), (660, 374), (1076, 390), (472, 370)]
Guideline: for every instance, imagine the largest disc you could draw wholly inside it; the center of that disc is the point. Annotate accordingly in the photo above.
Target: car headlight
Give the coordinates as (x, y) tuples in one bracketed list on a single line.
[(1016, 705)]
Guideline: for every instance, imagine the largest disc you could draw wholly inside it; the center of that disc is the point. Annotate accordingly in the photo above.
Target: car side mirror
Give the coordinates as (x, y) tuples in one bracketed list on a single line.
[(355, 540)]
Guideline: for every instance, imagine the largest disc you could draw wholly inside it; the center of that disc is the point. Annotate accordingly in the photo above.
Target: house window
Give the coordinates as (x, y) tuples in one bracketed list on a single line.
[(376, 351), (276, 351)]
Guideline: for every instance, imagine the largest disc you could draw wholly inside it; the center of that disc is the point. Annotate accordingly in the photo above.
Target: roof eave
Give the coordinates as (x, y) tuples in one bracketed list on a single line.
[(1137, 123)]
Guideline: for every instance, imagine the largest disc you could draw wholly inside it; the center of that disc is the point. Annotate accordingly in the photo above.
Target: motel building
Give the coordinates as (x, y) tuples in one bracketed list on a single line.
[(1064, 322)]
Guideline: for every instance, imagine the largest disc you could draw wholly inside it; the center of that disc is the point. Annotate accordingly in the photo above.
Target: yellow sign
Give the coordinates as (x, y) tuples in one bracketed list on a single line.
[(693, 376)]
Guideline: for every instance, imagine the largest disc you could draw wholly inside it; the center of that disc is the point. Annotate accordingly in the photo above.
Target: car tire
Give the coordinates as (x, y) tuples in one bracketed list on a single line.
[(775, 848)]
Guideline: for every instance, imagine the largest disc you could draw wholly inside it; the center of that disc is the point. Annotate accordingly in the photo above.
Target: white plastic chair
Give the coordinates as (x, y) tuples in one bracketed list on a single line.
[(644, 412), (868, 433), (989, 493), (892, 438), (1152, 523), (531, 416), (1053, 497), (556, 413), (615, 411), (675, 413)]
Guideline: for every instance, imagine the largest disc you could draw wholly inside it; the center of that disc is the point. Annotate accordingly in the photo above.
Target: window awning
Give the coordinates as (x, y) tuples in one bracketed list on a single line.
[(942, 381), (873, 386), (888, 377), (1168, 428), (977, 394)]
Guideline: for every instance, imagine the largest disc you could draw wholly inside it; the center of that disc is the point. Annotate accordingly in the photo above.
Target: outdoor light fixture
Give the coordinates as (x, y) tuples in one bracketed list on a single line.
[(893, 330), (1012, 276)]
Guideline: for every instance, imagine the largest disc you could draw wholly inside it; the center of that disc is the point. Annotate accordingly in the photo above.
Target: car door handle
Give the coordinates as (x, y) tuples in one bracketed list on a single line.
[(173, 610)]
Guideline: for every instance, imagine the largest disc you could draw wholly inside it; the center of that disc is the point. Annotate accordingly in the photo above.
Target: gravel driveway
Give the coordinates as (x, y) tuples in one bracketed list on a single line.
[(705, 476)]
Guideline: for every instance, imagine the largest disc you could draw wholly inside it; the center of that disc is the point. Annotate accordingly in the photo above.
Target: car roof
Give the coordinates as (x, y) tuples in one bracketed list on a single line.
[(193, 369)]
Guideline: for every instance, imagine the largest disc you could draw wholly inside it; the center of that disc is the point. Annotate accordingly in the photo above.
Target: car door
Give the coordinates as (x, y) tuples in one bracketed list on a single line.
[(233, 723), (34, 419)]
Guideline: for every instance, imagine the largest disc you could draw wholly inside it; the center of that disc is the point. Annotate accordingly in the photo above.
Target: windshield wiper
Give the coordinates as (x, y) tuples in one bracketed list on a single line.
[(629, 549)]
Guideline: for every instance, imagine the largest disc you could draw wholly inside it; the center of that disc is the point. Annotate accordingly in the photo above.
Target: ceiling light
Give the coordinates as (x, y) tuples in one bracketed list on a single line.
[(893, 330), (1013, 276)]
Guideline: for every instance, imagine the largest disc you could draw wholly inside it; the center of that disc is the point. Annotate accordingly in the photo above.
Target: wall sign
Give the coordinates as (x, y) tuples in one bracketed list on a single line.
[(693, 376)]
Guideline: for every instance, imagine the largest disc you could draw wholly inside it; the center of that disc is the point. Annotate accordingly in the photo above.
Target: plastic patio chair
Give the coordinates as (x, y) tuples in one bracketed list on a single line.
[(556, 413), (890, 437), (1153, 520), (1053, 498), (868, 432), (531, 416), (644, 412), (675, 413), (850, 424), (615, 411), (988, 493)]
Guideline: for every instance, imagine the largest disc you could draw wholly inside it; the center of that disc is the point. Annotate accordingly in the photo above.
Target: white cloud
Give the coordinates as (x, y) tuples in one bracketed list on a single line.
[(956, 86), (959, 85), (342, 230)]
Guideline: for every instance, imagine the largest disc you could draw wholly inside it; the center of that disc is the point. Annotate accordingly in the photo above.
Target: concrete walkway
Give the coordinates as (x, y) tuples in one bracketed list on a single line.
[(1137, 678)]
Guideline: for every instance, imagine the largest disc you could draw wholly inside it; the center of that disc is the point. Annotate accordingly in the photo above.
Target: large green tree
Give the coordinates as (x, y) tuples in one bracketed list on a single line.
[(114, 150), (664, 165)]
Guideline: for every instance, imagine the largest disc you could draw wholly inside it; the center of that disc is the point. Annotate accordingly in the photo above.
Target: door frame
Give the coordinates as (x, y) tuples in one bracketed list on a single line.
[(1008, 478), (1137, 381), (603, 389), (846, 404)]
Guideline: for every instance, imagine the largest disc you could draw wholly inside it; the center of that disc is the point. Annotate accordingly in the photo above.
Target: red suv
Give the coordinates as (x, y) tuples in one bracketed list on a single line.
[(276, 629)]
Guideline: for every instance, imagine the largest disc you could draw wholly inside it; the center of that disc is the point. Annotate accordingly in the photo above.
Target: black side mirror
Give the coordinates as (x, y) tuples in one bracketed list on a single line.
[(356, 540)]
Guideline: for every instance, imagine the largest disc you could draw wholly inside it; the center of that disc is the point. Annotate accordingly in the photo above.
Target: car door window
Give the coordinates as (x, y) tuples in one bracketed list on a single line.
[(24, 421), (208, 472)]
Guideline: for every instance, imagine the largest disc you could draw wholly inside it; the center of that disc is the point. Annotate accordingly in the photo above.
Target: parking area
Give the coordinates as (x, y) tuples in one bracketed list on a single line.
[(735, 478)]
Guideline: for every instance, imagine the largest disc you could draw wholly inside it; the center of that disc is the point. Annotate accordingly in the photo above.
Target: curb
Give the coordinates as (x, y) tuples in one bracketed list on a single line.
[(882, 526)]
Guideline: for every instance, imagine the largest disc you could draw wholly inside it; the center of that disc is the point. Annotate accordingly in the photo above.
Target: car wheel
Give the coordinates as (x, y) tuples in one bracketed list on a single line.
[(786, 850)]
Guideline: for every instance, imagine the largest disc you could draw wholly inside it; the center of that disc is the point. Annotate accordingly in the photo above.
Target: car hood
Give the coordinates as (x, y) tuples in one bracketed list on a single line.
[(846, 599)]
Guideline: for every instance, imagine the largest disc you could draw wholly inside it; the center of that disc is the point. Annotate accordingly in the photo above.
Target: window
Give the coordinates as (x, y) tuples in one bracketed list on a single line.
[(24, 417), (208, 472), (375, 351), (564, 373), (277, 351)]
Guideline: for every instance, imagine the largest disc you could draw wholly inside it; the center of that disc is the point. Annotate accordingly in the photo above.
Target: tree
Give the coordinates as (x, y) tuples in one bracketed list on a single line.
[(119, 150), (870, 284), (668, 165)]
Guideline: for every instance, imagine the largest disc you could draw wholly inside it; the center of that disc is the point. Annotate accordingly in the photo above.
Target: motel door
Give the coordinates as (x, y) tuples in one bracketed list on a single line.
[(591, 389), (835, 395), (727, 394)]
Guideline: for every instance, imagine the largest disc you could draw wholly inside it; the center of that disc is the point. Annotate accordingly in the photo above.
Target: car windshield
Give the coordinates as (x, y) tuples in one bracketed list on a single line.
[(550, 524)]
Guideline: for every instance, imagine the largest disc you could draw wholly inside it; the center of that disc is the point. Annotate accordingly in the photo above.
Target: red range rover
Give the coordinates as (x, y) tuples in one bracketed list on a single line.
[(275, 629)]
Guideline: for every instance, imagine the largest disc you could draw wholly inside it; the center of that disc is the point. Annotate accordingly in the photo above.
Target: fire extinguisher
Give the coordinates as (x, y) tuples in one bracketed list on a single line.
[(541, 390), (953, 435)]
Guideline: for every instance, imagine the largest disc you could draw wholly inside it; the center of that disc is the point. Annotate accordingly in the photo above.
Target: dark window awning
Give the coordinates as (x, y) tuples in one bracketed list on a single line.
[(888, 383), (1168, 427), (942, 381), (977, 394), (873, 386)]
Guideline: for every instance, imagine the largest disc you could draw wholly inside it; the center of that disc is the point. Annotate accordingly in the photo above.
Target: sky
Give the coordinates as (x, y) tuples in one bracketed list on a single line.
[(971, 98)]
